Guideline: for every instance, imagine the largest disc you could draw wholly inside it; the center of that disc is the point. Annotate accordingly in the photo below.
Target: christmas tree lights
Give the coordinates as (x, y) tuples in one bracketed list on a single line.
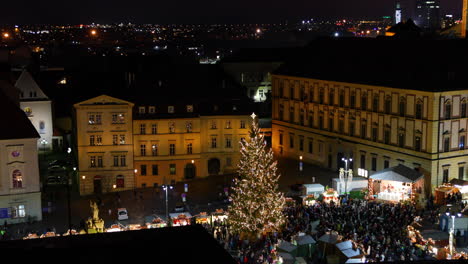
[(257, 205)]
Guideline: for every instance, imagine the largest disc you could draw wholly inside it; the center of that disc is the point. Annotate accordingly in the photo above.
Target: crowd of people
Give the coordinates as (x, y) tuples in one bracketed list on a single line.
[(378, 230)]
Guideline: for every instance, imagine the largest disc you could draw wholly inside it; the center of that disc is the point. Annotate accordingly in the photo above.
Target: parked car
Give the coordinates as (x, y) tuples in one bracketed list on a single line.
[(180, 207), (122, 214)]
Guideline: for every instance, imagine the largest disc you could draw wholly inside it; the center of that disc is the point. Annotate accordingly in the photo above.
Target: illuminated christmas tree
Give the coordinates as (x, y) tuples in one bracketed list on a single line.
[(257, 205)]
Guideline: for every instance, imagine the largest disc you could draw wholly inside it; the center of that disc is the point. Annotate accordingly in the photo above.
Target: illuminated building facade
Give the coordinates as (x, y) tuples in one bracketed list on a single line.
[(427, 14), (378, 126), (160, 143)]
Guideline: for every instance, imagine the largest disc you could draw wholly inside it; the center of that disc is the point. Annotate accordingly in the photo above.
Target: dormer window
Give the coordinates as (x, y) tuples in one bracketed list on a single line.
[(170, 109), (141, 110), (151, 109), (189, 108)]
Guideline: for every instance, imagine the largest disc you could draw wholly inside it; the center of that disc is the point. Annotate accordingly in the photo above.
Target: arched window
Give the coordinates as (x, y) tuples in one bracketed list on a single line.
[(419, 109), (375, 103), (448, 109), (417, 143), (401, 138), (120, 181), (463, 108), (388, 104), (331, 98), (364, 101), (17, 177), (402, 106)]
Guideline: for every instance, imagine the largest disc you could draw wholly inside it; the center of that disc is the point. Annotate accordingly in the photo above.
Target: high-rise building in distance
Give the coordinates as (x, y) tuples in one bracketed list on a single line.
[(427, 14)]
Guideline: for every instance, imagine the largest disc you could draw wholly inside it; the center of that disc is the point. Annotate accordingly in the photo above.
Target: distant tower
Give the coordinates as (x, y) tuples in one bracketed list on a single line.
[(464, 18), (398, 13)]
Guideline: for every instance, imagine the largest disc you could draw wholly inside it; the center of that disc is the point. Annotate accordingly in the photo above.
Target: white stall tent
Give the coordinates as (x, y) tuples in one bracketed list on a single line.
[(346, 247), (357, 183), (287, 258), (315, 189), (285, 246)]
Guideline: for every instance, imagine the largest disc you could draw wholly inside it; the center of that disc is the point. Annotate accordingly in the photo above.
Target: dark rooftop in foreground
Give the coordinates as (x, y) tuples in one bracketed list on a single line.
[(15, 119), (185, 244), (416, 64)]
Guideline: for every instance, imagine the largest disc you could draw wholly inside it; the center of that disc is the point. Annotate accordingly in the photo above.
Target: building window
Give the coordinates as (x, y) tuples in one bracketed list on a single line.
[(363, 161), (352, 128), (321, 122), (18, 211), (301, 117), (100, 163), (447, 144), (122, 139), (242, 124), (92, 161), (291, 115), (321, 96), (172, 149), (228, 124), (154, 129), (342, 98), (188, 126), (154, 149), (118, 118), (448, 110), (213, 142), (120, 181), (388, 105), (114, 139), (311, 146), (281, 139), (330, 124), (170, 109), (228, 162), (172, 169), (91, 140), (402, 106), (445, 175), (387, 136), (228, 142), (142, 129), (341, 126), (331, 99), (142, 150), (91, 119), (363, 130), (417, 143), (143, 170), (291, 141), (375, 103), (401, 140), (189, 148), (461, 144), (374, 134), (364, 101), (291, 92), (213, 124), (374, 164), (17, 177), (171, 127), (141, 110), (311, 119), (154, 169), (189, 108), (301, 144), (99, 140), (419, 109), (151, 109), (386, 164), (123, 160), (116, 161), (353, 99), (463, 109)]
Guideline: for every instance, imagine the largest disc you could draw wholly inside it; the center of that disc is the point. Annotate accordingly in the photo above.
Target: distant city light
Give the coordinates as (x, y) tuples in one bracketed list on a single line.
[(93, 32), (6, 35), (258, 31), (337, 34)]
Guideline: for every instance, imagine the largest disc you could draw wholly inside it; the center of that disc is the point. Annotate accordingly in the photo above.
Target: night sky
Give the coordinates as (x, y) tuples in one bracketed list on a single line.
[(196, 11)]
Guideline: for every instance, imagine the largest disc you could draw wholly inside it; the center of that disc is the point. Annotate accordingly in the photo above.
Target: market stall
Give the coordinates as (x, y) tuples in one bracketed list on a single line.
[(397, 183), (313, 189), (462, 187), (330, 195), (218, 216), (356, 183), (310, 199), (442, 192), (180, 219), (202, 218)]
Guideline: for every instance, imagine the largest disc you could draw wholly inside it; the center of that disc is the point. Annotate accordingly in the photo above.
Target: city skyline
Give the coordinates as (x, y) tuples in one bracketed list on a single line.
[(209, 11)]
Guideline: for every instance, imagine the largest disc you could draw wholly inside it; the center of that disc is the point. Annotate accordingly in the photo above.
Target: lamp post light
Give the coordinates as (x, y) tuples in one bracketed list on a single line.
[(346, 174), (44, 143), (134, 179), (165, 188), (300, 166)]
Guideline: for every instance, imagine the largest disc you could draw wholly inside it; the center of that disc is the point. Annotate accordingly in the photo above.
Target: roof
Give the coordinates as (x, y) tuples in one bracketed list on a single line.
[(306, 239), (416, 64), (329, 238), (27, 84), (19, 125), (346, 247), (399, 173), (286, 246), (458, 182), (179, 244)]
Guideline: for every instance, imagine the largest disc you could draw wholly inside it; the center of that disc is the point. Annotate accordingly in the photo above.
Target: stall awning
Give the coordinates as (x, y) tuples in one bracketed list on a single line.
[(458, 182), (399, 173)]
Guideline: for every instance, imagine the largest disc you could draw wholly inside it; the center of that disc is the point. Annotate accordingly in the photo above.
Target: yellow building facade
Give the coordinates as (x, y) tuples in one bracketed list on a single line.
[(378, 127), (159, 148)]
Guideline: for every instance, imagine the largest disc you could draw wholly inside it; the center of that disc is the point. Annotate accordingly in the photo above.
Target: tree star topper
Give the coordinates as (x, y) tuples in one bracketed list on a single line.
[(253, 115)]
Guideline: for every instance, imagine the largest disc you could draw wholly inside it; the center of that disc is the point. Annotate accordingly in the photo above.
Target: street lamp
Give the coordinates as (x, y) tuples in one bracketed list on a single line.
[(165, 187), (346, 175), (300, 166)]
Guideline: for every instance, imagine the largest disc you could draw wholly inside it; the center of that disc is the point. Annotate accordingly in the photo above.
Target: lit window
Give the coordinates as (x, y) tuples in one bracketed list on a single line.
[(189, 108), (142, 129), (171, 127), (172, 169), (213, 142), (154, 150), (17, 179), (172, 149), (141, 110), (142, 150), (122, 139), (151, 109), (213, 124), (154, 129), (170, 109), (242, 124)]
